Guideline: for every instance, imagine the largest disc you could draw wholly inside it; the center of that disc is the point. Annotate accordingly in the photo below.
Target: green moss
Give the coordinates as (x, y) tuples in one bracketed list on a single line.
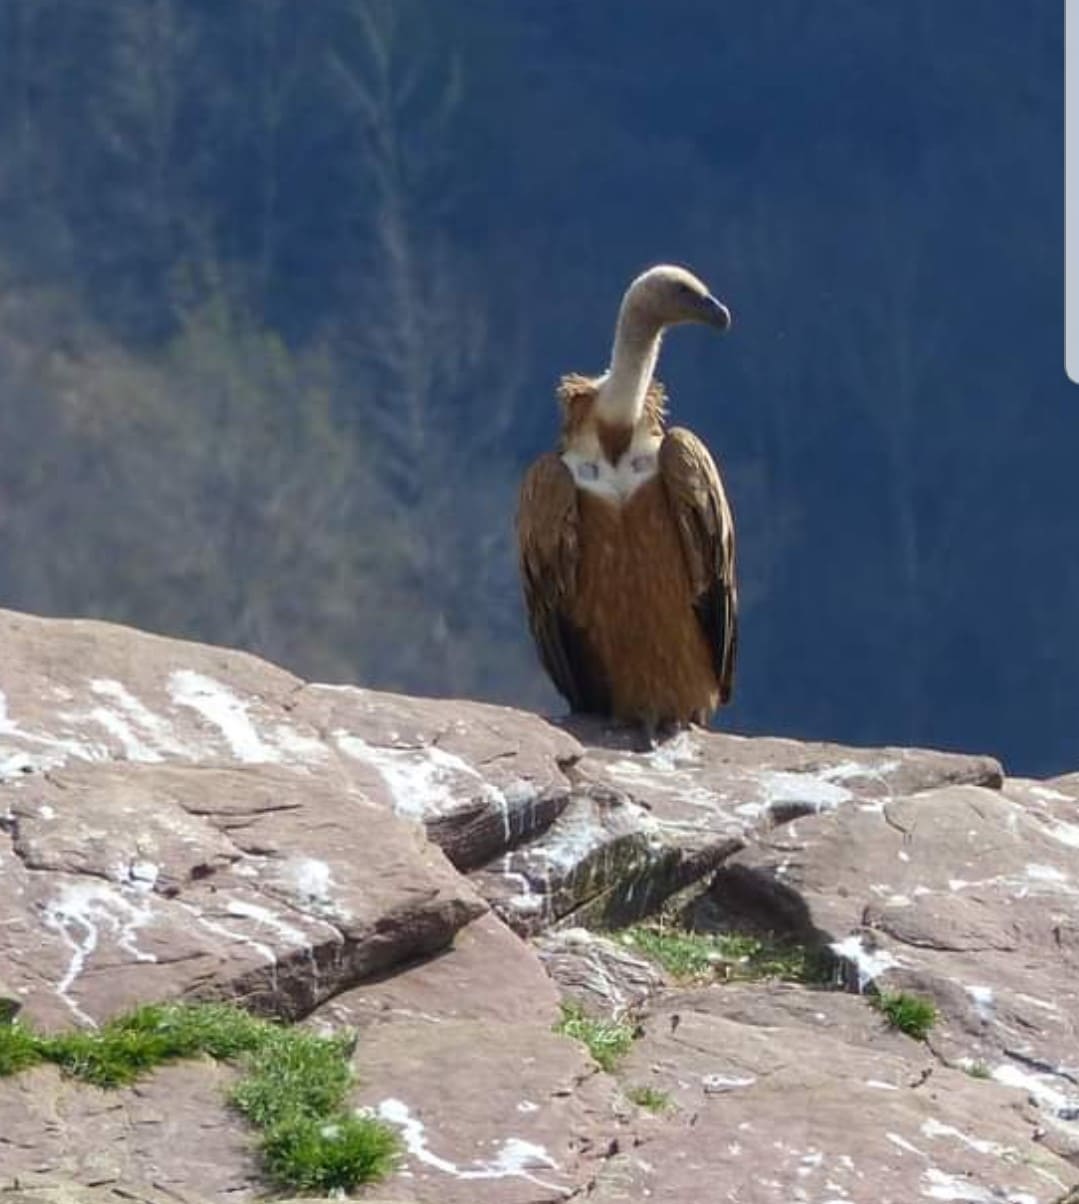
[(650, 1098), (696, 955), (978, 1070), (607, 1040), (911, 1014), (293, 1083)]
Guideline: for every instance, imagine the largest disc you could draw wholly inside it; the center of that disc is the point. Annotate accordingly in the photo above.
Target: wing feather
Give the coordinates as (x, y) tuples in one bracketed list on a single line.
[(547, 541), (703, 514)]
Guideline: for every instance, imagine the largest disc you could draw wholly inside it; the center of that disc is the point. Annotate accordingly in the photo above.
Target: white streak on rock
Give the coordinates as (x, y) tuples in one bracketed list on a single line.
[(120, 729), (157, 730), (220, 707), (1065, 833), (526, 901), (266, 952), (934, 1128), (61, 747), (1037, 1003), (668, 779), (983, 1001), (246, 910), (139, 876), (720, 1084), (942, 1186), (14, 764), (870, 963), (310, 878), (847, 771), (570, 840), (515, 1158), (1045, 873), (1055, 796), (420, 780), (1038, 1088), (79, 913), (310, 883), (674, 753), (298, 747), (903, 1144), (815, 791), (516, 796)]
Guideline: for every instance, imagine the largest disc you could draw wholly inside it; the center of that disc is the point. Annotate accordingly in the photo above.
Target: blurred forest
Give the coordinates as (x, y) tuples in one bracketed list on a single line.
[(285, 289)]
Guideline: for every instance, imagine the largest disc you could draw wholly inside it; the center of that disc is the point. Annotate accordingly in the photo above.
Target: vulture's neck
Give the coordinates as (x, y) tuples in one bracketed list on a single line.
[(633, 361)]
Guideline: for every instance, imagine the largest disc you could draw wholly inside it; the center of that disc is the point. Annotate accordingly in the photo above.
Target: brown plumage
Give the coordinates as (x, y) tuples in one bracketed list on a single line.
[(625, 536)]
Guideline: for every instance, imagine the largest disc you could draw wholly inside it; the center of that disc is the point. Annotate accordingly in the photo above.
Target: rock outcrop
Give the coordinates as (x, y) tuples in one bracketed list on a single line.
[(186, 822)]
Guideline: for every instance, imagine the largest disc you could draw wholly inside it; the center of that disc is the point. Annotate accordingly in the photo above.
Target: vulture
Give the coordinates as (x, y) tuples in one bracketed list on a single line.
[(625, 536)]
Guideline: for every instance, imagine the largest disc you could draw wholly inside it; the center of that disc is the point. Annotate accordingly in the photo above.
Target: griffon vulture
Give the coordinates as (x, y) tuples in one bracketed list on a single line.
[(625, 537)]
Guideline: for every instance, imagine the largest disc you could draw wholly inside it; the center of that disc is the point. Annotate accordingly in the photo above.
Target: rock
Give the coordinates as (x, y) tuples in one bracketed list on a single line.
[(780, 1093), (601, 975), (178, 821), (171, 1133), (1050, 804), (501, 1112), (489, 974), (81, 690), (481, 778), (52, 1190), (268, 885), (641, 826), (602, 861), (61, 1191), (549, 832), (459, 1054), (1067, 783), (964, 895)]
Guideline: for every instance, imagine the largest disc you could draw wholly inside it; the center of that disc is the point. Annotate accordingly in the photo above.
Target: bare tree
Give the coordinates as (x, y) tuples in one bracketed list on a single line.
[(438, 396)]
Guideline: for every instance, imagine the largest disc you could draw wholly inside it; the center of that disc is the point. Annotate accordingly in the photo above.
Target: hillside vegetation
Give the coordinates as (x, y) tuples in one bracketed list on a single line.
[(285, 290)]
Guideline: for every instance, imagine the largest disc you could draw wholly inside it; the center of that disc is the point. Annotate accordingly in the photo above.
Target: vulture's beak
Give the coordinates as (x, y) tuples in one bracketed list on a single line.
[(716, 313)]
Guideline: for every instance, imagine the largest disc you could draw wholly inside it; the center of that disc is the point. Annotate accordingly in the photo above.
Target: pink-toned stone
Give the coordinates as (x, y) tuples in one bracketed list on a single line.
[(967, 896)]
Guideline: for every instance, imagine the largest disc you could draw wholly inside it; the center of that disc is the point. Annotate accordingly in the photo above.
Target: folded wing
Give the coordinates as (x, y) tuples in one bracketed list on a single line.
[(703, 515), (547, 540)]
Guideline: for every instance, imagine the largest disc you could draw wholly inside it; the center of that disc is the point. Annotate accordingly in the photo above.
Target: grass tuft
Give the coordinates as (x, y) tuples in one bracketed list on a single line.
[(695, 955), (294, 1071), (650, 1098), (18, 1049), (130, 1045), (607, 1040), (293, 1084), (911, 1014), (310, 1153)]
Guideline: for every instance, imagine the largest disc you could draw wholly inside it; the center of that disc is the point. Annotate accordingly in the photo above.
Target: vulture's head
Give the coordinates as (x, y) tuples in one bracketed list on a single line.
[(667, 295)]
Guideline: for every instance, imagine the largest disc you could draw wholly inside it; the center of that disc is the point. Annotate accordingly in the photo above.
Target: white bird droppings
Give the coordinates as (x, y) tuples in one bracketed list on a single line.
[(983, 1001), (514, 1158), (419, 780), (869, 963), (220, 707), (79, 914)]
